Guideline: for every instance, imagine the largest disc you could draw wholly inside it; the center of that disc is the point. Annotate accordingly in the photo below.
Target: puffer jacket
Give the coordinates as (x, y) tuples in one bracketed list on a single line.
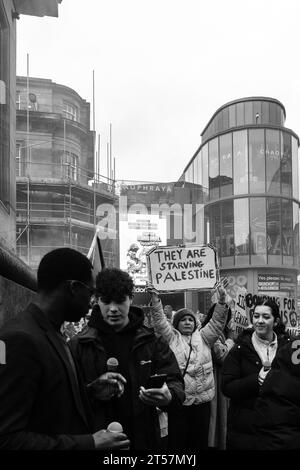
[(277, 410), (240, 383), (199, 378), (149, 355)]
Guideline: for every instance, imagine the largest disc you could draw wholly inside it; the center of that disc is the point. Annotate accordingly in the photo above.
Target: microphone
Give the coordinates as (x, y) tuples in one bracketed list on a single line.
[(114, 427), (112, 364)]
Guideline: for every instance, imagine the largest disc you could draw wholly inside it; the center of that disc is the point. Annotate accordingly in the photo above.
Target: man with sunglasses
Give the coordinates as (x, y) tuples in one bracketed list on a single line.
[(43, 401), (116, 331)]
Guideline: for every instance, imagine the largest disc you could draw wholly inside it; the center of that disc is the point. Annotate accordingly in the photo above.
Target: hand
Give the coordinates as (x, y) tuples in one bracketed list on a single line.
[(221, 290), (156, 396), (262, 375), (110, 440), (153, 292), (107, 386), (231, 332)]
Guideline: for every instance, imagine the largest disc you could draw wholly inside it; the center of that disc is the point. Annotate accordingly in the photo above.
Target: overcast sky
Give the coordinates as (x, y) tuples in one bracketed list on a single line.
[(163, 67)]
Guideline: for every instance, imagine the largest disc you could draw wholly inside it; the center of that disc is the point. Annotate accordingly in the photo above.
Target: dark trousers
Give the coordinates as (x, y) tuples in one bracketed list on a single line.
[(188, 428)]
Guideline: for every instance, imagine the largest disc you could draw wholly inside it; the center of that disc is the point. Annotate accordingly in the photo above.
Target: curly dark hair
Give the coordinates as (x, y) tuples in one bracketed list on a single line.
[(114, 284)]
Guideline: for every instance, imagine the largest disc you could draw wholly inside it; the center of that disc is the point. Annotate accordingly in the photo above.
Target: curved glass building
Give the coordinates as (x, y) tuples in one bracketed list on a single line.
[(246, 171)]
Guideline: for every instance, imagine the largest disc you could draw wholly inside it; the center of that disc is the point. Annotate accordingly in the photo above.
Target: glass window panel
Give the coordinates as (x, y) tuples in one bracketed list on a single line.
[(215, 226), (196, 172), (273, 113), (207, 224), (205, 170), (240, 159), (278, 114), (286, 164), (213, 169), (189, 174), (232, 118), (249, 112), (225, 142), (225, 113), (256, 161), (257, 112), (287, 231), (295, 168), (273, 231), (227, 235), (70, 111), (219, 122), (192, 171), (265, 119), (296, 233), (272, 161), (258, 230), (241, 231), (240, 119)]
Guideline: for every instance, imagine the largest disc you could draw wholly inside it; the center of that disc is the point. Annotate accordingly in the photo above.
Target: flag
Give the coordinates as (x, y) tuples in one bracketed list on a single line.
[(95, 256)]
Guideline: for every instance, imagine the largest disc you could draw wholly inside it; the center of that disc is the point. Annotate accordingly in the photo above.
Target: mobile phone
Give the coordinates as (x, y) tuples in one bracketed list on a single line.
[(156, 380)]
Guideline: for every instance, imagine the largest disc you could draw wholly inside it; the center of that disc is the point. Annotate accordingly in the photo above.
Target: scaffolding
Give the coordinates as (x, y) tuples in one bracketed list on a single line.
[(57, 207)]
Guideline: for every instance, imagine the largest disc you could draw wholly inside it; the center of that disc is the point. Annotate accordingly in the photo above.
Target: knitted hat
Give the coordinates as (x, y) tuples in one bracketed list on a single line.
[(183, 312)]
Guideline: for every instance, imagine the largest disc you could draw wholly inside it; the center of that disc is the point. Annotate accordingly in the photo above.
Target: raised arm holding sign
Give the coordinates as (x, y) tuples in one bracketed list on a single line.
[(188, 427)]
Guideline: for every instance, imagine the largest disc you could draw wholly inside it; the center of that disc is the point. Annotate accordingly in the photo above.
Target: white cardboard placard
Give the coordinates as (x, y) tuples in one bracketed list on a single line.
[(181, 268)]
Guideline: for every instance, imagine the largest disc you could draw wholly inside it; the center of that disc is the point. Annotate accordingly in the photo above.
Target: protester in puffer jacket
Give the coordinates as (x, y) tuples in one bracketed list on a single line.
[(245, 369), (188, 427)]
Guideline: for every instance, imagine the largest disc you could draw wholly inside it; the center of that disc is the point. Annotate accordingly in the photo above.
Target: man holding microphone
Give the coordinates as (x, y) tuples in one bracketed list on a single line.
[(116, 338)]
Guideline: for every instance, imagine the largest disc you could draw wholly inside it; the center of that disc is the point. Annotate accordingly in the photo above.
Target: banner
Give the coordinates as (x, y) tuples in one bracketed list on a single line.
[(139, 234), (180, 268), (240, 312)]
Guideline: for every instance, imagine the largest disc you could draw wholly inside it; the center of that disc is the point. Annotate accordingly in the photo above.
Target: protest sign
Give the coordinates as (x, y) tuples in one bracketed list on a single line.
[(240, 311), (180, 268), (287, 309)]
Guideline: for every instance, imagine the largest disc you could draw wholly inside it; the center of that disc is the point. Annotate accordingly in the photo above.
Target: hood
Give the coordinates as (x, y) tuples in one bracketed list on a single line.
[(136, 319)]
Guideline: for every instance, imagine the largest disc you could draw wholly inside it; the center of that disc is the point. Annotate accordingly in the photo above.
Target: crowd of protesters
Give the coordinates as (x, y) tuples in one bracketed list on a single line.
[(186, 382)]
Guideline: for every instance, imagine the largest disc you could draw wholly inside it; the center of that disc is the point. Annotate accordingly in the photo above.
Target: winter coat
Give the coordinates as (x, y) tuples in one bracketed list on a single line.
[(149, 355), (277, 410), (220, 403), (240, 383), (199, 378)]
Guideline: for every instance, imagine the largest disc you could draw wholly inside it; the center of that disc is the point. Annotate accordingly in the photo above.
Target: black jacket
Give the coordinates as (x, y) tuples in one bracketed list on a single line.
[(277, 410), (147, 355), (240, 383), (41, 405)]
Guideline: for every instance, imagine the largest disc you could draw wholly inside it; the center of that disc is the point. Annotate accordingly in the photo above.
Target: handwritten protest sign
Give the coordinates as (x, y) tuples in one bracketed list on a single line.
[(244, 307), (180, 268), (240, 311), (287, 309)]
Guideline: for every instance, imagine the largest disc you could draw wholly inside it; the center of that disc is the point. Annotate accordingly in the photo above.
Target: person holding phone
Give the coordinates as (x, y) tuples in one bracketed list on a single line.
[(188, 425), (126, 394)]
